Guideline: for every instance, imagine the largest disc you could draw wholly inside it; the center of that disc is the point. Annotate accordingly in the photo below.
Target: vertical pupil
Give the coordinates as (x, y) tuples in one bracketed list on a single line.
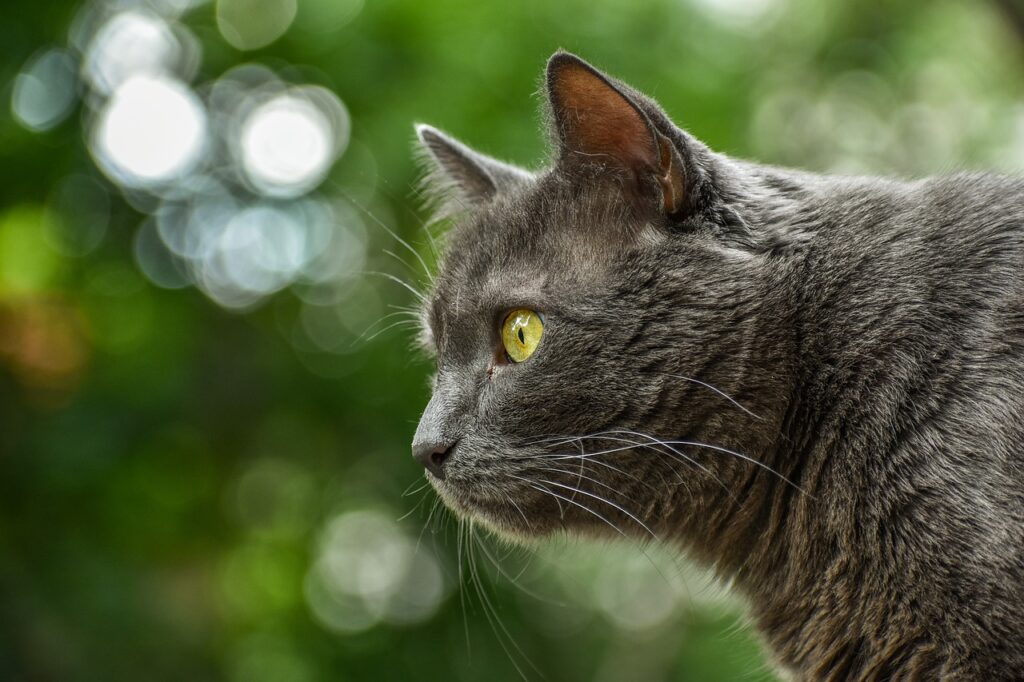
[(522, 339)]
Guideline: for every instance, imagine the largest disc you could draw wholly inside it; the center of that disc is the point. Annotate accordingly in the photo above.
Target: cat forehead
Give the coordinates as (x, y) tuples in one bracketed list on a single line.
[(549, 242), (490, 266), (519, 255), (495, 290), (552, 219)]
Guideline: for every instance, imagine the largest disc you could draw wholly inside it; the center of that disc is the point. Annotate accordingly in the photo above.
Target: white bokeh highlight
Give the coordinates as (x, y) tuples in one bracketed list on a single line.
[(369, 571), (130, 44), (151, 131), (289, 142), (224, 170)]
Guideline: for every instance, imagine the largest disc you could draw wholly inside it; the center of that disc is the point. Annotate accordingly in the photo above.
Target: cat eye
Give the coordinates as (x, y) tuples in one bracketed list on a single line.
[(520, 333)]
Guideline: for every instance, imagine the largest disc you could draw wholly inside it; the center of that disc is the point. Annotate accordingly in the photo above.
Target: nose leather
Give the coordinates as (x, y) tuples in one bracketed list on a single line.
[(437, 432), (432, 454)]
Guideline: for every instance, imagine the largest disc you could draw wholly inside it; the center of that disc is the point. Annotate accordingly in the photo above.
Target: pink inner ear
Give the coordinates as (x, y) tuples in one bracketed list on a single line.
[(597, 120)]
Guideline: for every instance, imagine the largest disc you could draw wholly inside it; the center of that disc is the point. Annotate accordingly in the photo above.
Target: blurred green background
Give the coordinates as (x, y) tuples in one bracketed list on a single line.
[(206, 398)]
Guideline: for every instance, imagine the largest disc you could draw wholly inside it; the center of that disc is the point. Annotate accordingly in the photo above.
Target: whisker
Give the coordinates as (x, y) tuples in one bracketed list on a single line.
[(632, 445), (401, 260), (606, 501), (561, 511), (517, 508), (676, 452), (542, 489), (745, 458), (514, 581), (578, 439), (409, 491), (462, 585), (400, 282), (719, 392), (584, 477), (387, 229), (430, 516), (416, 506), (588, 457), (411, 311), (489, 609), (717, 448), (385, 317), (409, 324), (425, 225)]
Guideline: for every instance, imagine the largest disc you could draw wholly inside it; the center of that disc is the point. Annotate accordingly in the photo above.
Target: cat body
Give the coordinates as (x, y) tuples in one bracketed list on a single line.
[(812, 384), (905, 427)]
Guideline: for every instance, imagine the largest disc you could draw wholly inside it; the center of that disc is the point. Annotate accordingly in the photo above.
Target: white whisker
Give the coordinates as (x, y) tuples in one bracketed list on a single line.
[(719, 392), (400, 282), (604, 500)]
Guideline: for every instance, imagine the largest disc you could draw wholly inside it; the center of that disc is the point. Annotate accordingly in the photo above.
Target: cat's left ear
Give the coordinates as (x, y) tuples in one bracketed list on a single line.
[(601, 124), (459, 175)]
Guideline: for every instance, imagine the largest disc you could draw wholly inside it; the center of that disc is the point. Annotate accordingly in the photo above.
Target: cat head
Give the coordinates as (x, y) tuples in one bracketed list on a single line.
[(589, 318)]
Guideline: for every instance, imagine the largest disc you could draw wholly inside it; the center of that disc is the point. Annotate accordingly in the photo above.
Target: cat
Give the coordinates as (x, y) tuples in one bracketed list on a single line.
[(813, 385)]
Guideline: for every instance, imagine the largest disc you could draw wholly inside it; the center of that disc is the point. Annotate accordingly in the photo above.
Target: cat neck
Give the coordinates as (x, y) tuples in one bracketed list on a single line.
[(794, 550)]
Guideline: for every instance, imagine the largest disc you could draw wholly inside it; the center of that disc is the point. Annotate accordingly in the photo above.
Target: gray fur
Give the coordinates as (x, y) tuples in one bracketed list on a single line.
[(873, 510)]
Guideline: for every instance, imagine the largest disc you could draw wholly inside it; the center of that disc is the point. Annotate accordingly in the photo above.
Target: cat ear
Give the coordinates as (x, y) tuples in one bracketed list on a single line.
[(463, 176), (599, 123)]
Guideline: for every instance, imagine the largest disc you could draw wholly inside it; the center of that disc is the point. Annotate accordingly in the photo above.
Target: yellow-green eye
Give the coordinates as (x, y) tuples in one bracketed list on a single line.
[(520, 333)]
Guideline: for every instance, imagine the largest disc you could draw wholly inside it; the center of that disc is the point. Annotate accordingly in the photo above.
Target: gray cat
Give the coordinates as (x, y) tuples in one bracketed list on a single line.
[(813, 384)]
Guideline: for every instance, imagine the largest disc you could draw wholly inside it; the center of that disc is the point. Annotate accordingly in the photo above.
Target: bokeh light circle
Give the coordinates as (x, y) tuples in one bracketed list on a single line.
[(368, 571), (45, 91), (252, 24), (152, 130), (131, 43), (287, 144)]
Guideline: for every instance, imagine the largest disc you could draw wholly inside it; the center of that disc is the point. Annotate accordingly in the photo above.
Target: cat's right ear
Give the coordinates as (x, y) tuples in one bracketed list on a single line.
[(459, 178)]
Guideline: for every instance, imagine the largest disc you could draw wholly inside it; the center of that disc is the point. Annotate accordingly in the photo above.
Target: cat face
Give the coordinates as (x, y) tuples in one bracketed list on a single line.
[(616, 257)]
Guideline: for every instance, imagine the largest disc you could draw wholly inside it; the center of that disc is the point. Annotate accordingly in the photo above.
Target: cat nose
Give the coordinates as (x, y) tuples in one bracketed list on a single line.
[(432, 455)]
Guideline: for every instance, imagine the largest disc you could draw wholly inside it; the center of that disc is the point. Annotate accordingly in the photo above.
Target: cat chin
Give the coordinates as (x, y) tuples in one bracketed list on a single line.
[(497, 516), (502, 529)]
